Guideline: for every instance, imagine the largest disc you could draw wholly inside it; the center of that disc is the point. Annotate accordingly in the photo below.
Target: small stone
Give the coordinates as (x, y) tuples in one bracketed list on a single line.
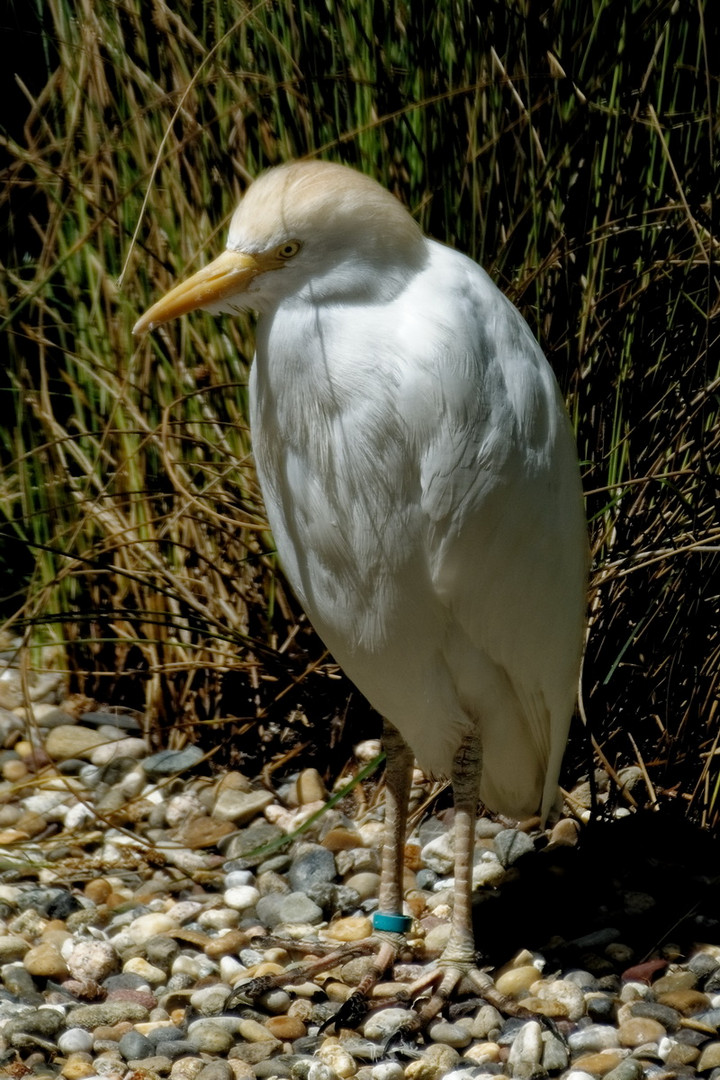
[(686, 1002), (628, 1069), (210, 1000), (241, 897), (240, 807), (456, 1035), (75, 1040), (228, 944), (286, 1028), (169, 762), (680, 979), (78, 1067), (709, 1057), (435, 1063), (511, 845), (379, 1026), (253, 1031), (108, 1012), (312, 866), (351, 928), (134, 1046), (93, 960), (130, 747), (147, 926), (366, 884), (526, 1051), (514, 981), (640, 1030), (333, 1054), (387, 1070), (12, 947), (597, 1064), (217, 1070), (152, 974), (593, 1038), (554, 1053), (675, 1053), (72, 741), (45, 960), (203, 832), (209, 1037)]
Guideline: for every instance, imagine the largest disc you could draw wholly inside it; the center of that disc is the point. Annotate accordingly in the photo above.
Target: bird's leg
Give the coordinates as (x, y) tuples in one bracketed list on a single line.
[(398, 777), (458, 959)]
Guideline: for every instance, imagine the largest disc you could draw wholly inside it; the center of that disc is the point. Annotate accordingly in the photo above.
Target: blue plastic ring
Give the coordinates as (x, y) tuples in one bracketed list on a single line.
[(398, 924)]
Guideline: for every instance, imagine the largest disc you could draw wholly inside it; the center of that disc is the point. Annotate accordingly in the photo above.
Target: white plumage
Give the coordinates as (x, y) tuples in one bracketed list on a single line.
[(419, 473)]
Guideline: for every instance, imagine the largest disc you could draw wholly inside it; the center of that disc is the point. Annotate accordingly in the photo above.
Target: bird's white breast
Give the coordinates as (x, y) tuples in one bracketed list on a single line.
[(421, 484)]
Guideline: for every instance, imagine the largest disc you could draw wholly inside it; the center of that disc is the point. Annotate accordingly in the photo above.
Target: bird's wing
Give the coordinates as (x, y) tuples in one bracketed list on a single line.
[(505, 539)]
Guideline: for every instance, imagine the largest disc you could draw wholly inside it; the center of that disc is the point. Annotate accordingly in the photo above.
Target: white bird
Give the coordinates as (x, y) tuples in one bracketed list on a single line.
[(422, 485)]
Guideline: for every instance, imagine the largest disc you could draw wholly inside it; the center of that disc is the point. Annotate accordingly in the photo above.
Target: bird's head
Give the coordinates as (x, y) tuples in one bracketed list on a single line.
[(314, 230)]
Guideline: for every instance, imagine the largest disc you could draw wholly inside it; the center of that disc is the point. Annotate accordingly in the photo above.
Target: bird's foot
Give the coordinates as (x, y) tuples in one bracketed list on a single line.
[(305, 971)]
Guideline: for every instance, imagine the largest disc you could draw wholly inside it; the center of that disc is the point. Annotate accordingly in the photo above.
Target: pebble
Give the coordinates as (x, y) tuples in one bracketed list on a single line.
[(128, 973)]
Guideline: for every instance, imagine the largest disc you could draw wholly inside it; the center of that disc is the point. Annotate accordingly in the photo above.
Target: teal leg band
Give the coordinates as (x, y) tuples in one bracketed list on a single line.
[(398, 924)]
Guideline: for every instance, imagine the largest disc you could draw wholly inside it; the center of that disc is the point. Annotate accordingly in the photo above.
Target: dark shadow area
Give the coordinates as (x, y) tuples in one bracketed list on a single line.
[(651, 878)]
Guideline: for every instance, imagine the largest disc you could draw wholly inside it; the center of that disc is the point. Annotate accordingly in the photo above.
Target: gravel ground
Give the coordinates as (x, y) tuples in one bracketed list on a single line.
[(133, 899)]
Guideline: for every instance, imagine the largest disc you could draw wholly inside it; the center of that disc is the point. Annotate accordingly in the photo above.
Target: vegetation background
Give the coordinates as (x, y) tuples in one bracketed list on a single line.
[(572, 148)]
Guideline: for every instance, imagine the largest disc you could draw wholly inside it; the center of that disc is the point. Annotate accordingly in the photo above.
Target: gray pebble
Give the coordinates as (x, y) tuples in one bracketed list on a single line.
[(167, 762), (133, 1046), (216, 1070), (21, 983), (511, 845), (108, 1012), (629, 1069), (209, 1037), (312, 866)]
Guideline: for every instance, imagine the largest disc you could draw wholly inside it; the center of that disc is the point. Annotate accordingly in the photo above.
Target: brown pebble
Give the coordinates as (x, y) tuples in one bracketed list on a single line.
[(77, 1067), (286, 1028), (640, 1030), (675, 980), (191, 937), (14, 770), (682, 1054), (310, 788), (98, 890), (45, 960), (565, 833), (412, 855), (13, 836), (686, 1002), (203, 832), (341, 839), (112, 1032), (228, 944), (31, 823), (600, 1063), (710, 1057), (351, 928)]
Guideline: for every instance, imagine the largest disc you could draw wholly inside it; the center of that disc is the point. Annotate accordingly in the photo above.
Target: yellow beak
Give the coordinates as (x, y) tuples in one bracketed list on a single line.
[(230, 273)]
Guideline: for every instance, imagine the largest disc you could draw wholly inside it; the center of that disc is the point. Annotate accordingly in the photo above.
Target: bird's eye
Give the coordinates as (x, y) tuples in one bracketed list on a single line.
[(288, 249)]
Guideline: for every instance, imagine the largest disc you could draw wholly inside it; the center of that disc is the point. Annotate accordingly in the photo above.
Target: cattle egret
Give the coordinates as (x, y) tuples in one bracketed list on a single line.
[(422, 485)]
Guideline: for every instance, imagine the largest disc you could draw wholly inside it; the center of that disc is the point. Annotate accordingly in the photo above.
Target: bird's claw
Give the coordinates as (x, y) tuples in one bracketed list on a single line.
[(350, 1013), (248, 992)]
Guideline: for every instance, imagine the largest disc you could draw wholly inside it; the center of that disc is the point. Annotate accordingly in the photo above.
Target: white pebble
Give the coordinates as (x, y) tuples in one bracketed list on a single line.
[(75, 1041), (387, 1070), (239, 877), (241, 897), (231, 969)]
